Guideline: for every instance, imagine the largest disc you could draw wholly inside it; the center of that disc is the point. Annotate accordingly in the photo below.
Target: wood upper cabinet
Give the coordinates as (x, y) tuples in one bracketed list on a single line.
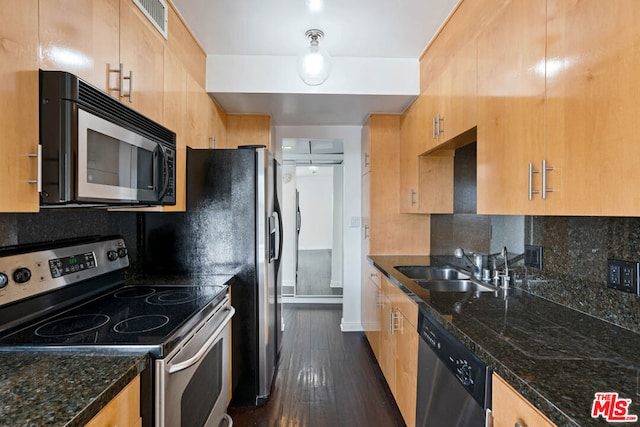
[(592, 109), (510, 409), (123, 410), (141, 53), (553, 94), (426, 182), (81, 37), (247, 129), (448, 79), (390, 231), (511, 96), (19, 106)]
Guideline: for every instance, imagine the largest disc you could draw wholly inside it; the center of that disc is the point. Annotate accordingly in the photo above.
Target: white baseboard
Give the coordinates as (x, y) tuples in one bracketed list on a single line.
[(336, 284), (350, 326), (312, 300)]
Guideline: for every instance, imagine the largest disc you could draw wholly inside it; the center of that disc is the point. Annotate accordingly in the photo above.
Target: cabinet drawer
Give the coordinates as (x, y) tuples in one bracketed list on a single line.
[(373, 274), (510, 407), (401, 301), (123, 410)]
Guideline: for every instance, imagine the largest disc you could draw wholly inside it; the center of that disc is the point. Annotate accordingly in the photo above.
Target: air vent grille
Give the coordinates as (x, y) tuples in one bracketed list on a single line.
[(99, 102), (156, 11)]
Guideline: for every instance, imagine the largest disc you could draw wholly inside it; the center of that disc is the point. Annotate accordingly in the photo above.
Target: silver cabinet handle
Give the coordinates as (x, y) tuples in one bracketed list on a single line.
[(434, 127), (366, 232), (395, 318), (122, 78), (38, 180), (413, 200), (440, 125), (545, 190), (366, 160), (531, 190), (517, 424)]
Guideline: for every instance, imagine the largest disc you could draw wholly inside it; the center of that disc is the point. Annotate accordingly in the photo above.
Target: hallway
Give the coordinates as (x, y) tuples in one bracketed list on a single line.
[(326, 377)]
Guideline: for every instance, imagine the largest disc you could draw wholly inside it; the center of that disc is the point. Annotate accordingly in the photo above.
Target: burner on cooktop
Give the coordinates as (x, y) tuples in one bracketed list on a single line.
[(139, 324), (134, 293), (172, 297), (72, 325)]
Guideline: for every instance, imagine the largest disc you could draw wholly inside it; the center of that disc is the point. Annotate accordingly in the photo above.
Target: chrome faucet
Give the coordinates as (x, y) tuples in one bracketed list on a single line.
[(476, 263), (505, 273)]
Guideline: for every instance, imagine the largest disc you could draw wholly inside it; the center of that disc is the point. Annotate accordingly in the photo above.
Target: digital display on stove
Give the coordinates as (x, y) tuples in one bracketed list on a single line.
[(62, 266)]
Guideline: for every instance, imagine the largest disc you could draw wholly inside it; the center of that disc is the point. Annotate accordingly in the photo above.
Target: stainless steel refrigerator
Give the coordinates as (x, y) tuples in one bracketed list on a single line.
[(232, 226)]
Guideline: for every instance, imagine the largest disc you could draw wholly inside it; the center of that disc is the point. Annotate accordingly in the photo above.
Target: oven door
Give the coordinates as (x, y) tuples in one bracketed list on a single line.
[(117, 164), (192, 383)]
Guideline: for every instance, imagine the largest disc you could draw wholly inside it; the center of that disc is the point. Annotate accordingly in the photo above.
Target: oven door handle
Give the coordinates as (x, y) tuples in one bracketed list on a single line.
[(206, 347)]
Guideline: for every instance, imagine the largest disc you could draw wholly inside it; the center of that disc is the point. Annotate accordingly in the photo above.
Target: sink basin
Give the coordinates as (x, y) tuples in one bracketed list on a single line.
[(453, 286), (423, 272)]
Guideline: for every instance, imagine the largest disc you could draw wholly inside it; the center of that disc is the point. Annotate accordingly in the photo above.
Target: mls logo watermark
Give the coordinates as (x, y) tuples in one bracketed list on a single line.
[(612, 408)]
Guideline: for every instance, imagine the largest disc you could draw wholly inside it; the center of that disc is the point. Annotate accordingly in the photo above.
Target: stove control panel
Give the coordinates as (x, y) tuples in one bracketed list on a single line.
[(25, 275), (71, 264)]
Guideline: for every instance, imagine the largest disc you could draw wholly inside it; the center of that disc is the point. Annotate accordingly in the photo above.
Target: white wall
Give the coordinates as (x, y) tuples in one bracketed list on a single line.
[(316, 207), (351, 136), (289, 225)]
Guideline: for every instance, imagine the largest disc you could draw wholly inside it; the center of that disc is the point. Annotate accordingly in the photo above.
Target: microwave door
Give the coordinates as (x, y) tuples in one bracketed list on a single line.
[(114, 163)]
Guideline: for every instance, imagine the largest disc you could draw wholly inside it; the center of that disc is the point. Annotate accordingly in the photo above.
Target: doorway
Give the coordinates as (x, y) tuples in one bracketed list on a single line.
[(312, 178)]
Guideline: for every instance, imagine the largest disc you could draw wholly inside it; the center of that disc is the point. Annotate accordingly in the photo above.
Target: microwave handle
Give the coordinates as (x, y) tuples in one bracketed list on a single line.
[(165, 163)]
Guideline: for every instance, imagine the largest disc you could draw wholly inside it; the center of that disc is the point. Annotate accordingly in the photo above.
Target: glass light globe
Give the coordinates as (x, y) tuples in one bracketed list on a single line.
[(314, 64)]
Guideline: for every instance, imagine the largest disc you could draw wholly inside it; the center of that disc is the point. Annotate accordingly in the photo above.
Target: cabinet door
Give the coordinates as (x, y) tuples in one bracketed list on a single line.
[(365, 153), (371, 310), (406, 367), (123, 410), (141, 52), (248, 129), (592, 107), (511, 91), (19, 105), (175, 97), (509, 407), (82, 37), (217, 124), (197, 126), (409, 143), (387, 343)]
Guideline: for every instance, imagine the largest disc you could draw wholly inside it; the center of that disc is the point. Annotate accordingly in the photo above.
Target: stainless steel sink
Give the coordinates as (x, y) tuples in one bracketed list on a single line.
[(442, 279), (423, 272), (453, 286)]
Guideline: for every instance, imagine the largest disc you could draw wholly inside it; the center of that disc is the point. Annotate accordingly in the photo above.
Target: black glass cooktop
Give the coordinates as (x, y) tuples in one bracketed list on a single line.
[(129, 316)]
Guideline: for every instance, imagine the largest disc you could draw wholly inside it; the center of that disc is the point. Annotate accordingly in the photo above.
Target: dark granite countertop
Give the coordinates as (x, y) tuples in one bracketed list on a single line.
[(556, 357), (61, 389)]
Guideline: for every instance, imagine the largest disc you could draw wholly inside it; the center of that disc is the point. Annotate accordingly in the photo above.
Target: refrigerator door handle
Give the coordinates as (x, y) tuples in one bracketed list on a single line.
[(278, 235)]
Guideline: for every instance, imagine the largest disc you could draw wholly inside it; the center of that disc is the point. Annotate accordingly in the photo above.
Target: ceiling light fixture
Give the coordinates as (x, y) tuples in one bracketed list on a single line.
[(314, 63)]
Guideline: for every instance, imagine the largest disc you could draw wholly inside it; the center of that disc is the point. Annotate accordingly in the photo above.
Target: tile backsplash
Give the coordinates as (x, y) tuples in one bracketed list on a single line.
[(58, 224), (575, 256)]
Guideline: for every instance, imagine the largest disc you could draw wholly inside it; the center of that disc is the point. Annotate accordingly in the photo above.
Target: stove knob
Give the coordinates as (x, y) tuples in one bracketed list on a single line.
[(112, 255), (22, 275), (4, 280), (122, 252)]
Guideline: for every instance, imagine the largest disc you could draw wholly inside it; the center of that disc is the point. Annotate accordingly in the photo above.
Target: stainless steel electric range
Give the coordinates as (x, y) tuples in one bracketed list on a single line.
[(71, 296)]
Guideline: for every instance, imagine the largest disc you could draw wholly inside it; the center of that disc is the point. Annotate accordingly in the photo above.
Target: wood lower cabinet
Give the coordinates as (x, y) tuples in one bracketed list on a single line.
[(396, 343), (371, 307), (123, 410), (19, 106), (510, 409)]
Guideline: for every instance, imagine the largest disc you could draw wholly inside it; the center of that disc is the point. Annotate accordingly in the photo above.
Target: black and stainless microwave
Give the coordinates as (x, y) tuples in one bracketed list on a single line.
[(97, 151)]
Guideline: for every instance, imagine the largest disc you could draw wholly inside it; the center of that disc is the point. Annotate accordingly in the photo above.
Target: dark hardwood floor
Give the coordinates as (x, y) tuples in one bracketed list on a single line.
[(325, 378)]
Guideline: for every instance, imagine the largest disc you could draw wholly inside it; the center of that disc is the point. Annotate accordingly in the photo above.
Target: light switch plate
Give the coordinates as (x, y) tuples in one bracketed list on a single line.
[(533, 256)]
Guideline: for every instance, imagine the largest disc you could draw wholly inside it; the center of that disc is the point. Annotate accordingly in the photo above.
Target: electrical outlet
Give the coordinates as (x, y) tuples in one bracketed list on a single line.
[(622, 275), (533, 256)]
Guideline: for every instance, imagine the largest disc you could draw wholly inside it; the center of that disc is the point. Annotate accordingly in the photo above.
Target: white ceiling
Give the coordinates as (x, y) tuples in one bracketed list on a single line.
[(353, 29)]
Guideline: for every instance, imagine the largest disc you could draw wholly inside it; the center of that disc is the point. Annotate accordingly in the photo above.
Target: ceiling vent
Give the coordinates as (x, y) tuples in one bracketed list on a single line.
[(156, 11)]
